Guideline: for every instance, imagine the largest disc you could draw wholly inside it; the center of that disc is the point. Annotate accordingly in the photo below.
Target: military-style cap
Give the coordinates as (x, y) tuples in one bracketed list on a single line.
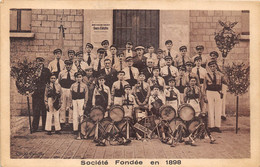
[(155, 68), (127, 86), (40, 59), (139, 47), (89, 45), (129, 58), (121, 72), (120, 53), (214, 53), (78, 53), (156, 86), (54, 74), (211, 62), (189, 63), (101, 77), (197, 58), (182, 48), (167, 57), (159, 51), (129, 42), (71, 51), (68, 62), (168, 41), (57, 51), (101, 50), (171, 79), (193, 77), (199, 47), (183, 68), (77, 74), (105, 42)]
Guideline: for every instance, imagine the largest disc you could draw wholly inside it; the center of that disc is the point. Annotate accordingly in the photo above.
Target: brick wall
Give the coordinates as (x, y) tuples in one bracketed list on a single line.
[(203, 25), (45, 23)]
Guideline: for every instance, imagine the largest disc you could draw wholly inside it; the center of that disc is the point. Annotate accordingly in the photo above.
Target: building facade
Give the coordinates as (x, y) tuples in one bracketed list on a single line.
[(35, 32)]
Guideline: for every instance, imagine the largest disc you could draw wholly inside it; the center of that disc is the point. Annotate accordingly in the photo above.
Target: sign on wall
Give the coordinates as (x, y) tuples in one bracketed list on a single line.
[(100, 30)]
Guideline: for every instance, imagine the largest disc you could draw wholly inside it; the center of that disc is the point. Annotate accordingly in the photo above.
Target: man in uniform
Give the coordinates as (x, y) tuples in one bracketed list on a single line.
[(66, 78), (79, 63), (199, 70), (169, 70), (105, 45), (110, 74), (183, 57), (151, 54), (131, 73), (57, 65), (38, 104), (139, 60), (117, 90), (99, 62), (160, 59), (170, 52), (212, 88), (189, 73), (120, 63), (88, 56), (113, 56), (204, 58), (148, 71)]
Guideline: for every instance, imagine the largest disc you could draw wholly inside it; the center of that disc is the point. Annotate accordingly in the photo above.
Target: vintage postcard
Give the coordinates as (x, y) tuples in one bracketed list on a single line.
[(129, 83)]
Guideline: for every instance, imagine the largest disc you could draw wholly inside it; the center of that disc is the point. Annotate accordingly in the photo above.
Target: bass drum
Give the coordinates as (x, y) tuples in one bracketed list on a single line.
[(193, 124), (167, 112), (186, 112), (87, 128), (116, 113), (96, 113), (175, 123)]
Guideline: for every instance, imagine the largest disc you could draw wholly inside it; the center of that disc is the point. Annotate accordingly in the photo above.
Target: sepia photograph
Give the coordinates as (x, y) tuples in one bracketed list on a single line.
[(121, 86)]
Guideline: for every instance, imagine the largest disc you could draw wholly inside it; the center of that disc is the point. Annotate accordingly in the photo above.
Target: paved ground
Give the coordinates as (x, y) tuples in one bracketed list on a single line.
[(39, 145)]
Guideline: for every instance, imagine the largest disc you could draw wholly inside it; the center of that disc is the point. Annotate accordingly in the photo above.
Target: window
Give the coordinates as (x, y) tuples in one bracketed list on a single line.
[(20, 20), (139, 26)]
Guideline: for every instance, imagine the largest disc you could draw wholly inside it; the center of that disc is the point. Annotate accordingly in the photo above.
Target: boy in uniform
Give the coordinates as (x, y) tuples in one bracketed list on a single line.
[(80, 64), (169, 51), (128, 101), (105, 45), (151, 54), (199, 70), (181, 82), (160, 62), (169, 70), (117, 90), (57, 65), (183, 57), (142, 91), (79, 94), (71, 55), (128, 52), (155, 101), (88, 56), (131, 73), (204, 58), (172, 94), (189, 73), (66, 78), (156, 79), (113, 56), (99, 62), (139, 60), (53, 103)]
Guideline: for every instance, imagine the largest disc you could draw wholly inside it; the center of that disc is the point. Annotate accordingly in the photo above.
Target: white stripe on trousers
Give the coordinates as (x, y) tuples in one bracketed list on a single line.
[(52, 112), (77, 112), (215, 109)]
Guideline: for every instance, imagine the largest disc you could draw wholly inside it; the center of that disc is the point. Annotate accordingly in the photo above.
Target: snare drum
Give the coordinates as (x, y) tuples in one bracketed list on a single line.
[(175, 122), (96, 113), (193, 124), (167, 112), (140, 113), (87, 128), (116, 113), (186, 112)]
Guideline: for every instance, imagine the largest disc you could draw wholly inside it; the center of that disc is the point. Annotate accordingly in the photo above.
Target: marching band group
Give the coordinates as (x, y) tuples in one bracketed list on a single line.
[(131, 78)]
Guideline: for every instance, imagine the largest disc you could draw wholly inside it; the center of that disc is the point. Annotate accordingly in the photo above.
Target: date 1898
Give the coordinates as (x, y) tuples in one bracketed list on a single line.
[(173, 162)]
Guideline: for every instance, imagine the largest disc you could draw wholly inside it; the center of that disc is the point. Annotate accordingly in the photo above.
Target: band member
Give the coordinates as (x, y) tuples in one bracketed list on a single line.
[(101, 96), (139, 60), (170, 52), (183, 57), (160, 62), (99, 62), (88, 56), (128, 102), (71, 55), (128, 52), (66, 79), (172, 94), (151, 54), (113, 56), (212, 88), (181, 82), (120, 63), (109, 73), (169, 70), (117, 90), (142, 91), (80, 64), (53, 102), (148, 71), (38, 104), (79, 94), (199, 70), (105, 45), (90, 81), (57, 65), (204, 58), (131, 73), (189, 73), (156, 101), (156, 80), (192, 95)]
